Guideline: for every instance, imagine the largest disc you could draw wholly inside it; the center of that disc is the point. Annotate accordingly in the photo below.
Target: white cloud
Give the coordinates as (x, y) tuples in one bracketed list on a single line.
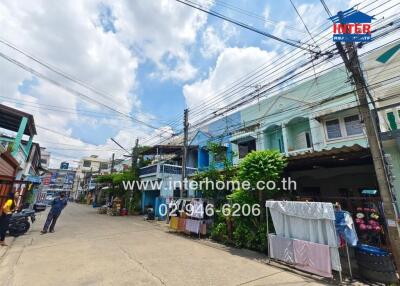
[(160, 30), (69, 36), (212, 44), (232, 64)]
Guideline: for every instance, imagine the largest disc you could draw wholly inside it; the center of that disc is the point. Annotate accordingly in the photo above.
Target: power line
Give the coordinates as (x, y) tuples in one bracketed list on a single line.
[(243, 25), (70, 90), (252, 14), (230, 105), (204, 106), (328, 91), (304, 24), (243, 79)]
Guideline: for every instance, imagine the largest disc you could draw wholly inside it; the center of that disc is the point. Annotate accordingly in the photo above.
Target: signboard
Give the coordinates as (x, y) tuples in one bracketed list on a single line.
[(53, 177), (46, 180), (69, 178), (64, 165), (351, 26)]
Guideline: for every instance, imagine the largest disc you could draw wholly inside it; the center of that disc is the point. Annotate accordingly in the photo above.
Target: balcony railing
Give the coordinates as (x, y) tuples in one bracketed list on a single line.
[(159, 169)]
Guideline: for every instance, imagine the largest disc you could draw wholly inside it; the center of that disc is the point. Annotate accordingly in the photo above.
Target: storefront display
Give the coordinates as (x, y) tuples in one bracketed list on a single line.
[(369, 225)]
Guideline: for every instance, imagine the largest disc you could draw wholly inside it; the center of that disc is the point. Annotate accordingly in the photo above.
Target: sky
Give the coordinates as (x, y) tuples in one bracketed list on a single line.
[(139, 63)]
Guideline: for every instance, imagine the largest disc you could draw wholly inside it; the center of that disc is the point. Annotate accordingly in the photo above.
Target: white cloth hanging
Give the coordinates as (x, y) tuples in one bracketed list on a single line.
[(281, 248), (198, 209), (308, 221)]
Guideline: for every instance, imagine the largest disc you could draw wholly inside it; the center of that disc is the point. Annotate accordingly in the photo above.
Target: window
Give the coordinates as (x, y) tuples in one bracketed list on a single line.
[(43, 161), (246, 147), (308, 140), (333, 129), (343, 126), (103, 165), (303, 140), (86, 163), (353, 125), (392, 120)]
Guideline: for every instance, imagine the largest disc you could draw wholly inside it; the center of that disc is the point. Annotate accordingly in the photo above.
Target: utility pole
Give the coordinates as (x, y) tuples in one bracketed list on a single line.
[(135, 154), (112, 163), (352, 64), (185, 147)]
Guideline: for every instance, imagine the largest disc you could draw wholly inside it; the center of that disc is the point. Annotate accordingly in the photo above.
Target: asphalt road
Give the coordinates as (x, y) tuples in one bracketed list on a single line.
[(92, 249)]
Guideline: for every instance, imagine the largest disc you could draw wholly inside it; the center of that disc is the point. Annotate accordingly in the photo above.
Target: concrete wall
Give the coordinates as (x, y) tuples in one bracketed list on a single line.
[(392, 149)]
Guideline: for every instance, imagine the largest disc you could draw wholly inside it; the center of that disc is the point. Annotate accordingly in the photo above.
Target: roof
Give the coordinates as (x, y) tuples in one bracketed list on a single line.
[(10, 119), (334, 157)]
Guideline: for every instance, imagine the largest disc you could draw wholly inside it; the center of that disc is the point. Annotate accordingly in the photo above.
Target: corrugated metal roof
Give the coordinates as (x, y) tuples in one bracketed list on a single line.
[(326, 152)]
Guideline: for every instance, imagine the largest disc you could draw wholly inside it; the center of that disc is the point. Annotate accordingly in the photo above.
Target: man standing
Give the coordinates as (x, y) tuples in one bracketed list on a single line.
[(56, 208)]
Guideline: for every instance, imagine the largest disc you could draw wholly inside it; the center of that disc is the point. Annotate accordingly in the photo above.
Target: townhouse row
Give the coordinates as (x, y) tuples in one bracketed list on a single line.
[(316, 124)]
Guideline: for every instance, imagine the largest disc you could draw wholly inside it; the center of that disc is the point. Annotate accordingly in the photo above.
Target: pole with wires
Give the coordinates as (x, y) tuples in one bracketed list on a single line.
[(352, 63), (135, 155), (185, 147)]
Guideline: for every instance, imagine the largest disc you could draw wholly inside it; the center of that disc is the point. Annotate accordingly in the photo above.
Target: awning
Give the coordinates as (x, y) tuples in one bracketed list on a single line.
[(334, 157), (10, 119), (243, 137)]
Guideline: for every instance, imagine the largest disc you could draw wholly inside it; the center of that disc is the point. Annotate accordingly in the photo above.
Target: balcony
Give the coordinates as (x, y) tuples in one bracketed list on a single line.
[(161, 169)]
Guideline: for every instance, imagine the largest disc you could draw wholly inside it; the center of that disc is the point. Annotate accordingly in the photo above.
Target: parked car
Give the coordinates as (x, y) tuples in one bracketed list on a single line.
[(39, 207), (49, 199)]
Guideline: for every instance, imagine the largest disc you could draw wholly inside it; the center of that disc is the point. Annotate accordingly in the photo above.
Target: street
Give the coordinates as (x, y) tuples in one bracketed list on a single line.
[(92, 249)]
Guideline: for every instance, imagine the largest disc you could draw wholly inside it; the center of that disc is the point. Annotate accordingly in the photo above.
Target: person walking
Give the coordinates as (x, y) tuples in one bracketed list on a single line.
[(6, 213), (57, 206)]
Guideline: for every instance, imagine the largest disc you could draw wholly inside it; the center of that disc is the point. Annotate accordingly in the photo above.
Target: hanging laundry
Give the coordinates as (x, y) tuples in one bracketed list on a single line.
[(345, 227), (203, 229), (181, 224), (173, 222), (198, 209), (308, 221), (192, 225), (281, 248), (312, 257)]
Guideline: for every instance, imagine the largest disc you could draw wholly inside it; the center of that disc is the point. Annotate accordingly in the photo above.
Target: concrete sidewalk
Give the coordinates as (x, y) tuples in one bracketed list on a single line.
[(92, 249)]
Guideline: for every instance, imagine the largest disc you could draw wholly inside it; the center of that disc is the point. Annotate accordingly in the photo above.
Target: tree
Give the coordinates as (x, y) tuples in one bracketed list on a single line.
[(263, 166)]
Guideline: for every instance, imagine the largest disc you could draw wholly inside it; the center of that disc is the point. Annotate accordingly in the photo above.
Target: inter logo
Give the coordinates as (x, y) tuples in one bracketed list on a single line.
[(351, 26)]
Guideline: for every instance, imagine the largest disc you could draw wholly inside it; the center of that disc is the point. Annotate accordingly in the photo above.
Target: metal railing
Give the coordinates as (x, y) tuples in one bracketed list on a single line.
[(161, 168)]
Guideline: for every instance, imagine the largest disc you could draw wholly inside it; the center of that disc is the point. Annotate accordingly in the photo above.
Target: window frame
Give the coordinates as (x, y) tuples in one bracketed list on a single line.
[(326, 129), (239, 143), (342, 126), (396, 114), (102, 164), (84, 161), (345, 128)]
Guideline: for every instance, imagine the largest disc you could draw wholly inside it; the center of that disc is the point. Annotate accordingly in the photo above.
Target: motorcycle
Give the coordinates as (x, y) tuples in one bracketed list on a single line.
[(19, 222)]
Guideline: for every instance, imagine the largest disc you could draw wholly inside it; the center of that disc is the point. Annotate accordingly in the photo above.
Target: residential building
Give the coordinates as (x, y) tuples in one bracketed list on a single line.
[(88, 168), (317, 126), (44, 157), (15, 126), (162, 175), (16, 139)]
